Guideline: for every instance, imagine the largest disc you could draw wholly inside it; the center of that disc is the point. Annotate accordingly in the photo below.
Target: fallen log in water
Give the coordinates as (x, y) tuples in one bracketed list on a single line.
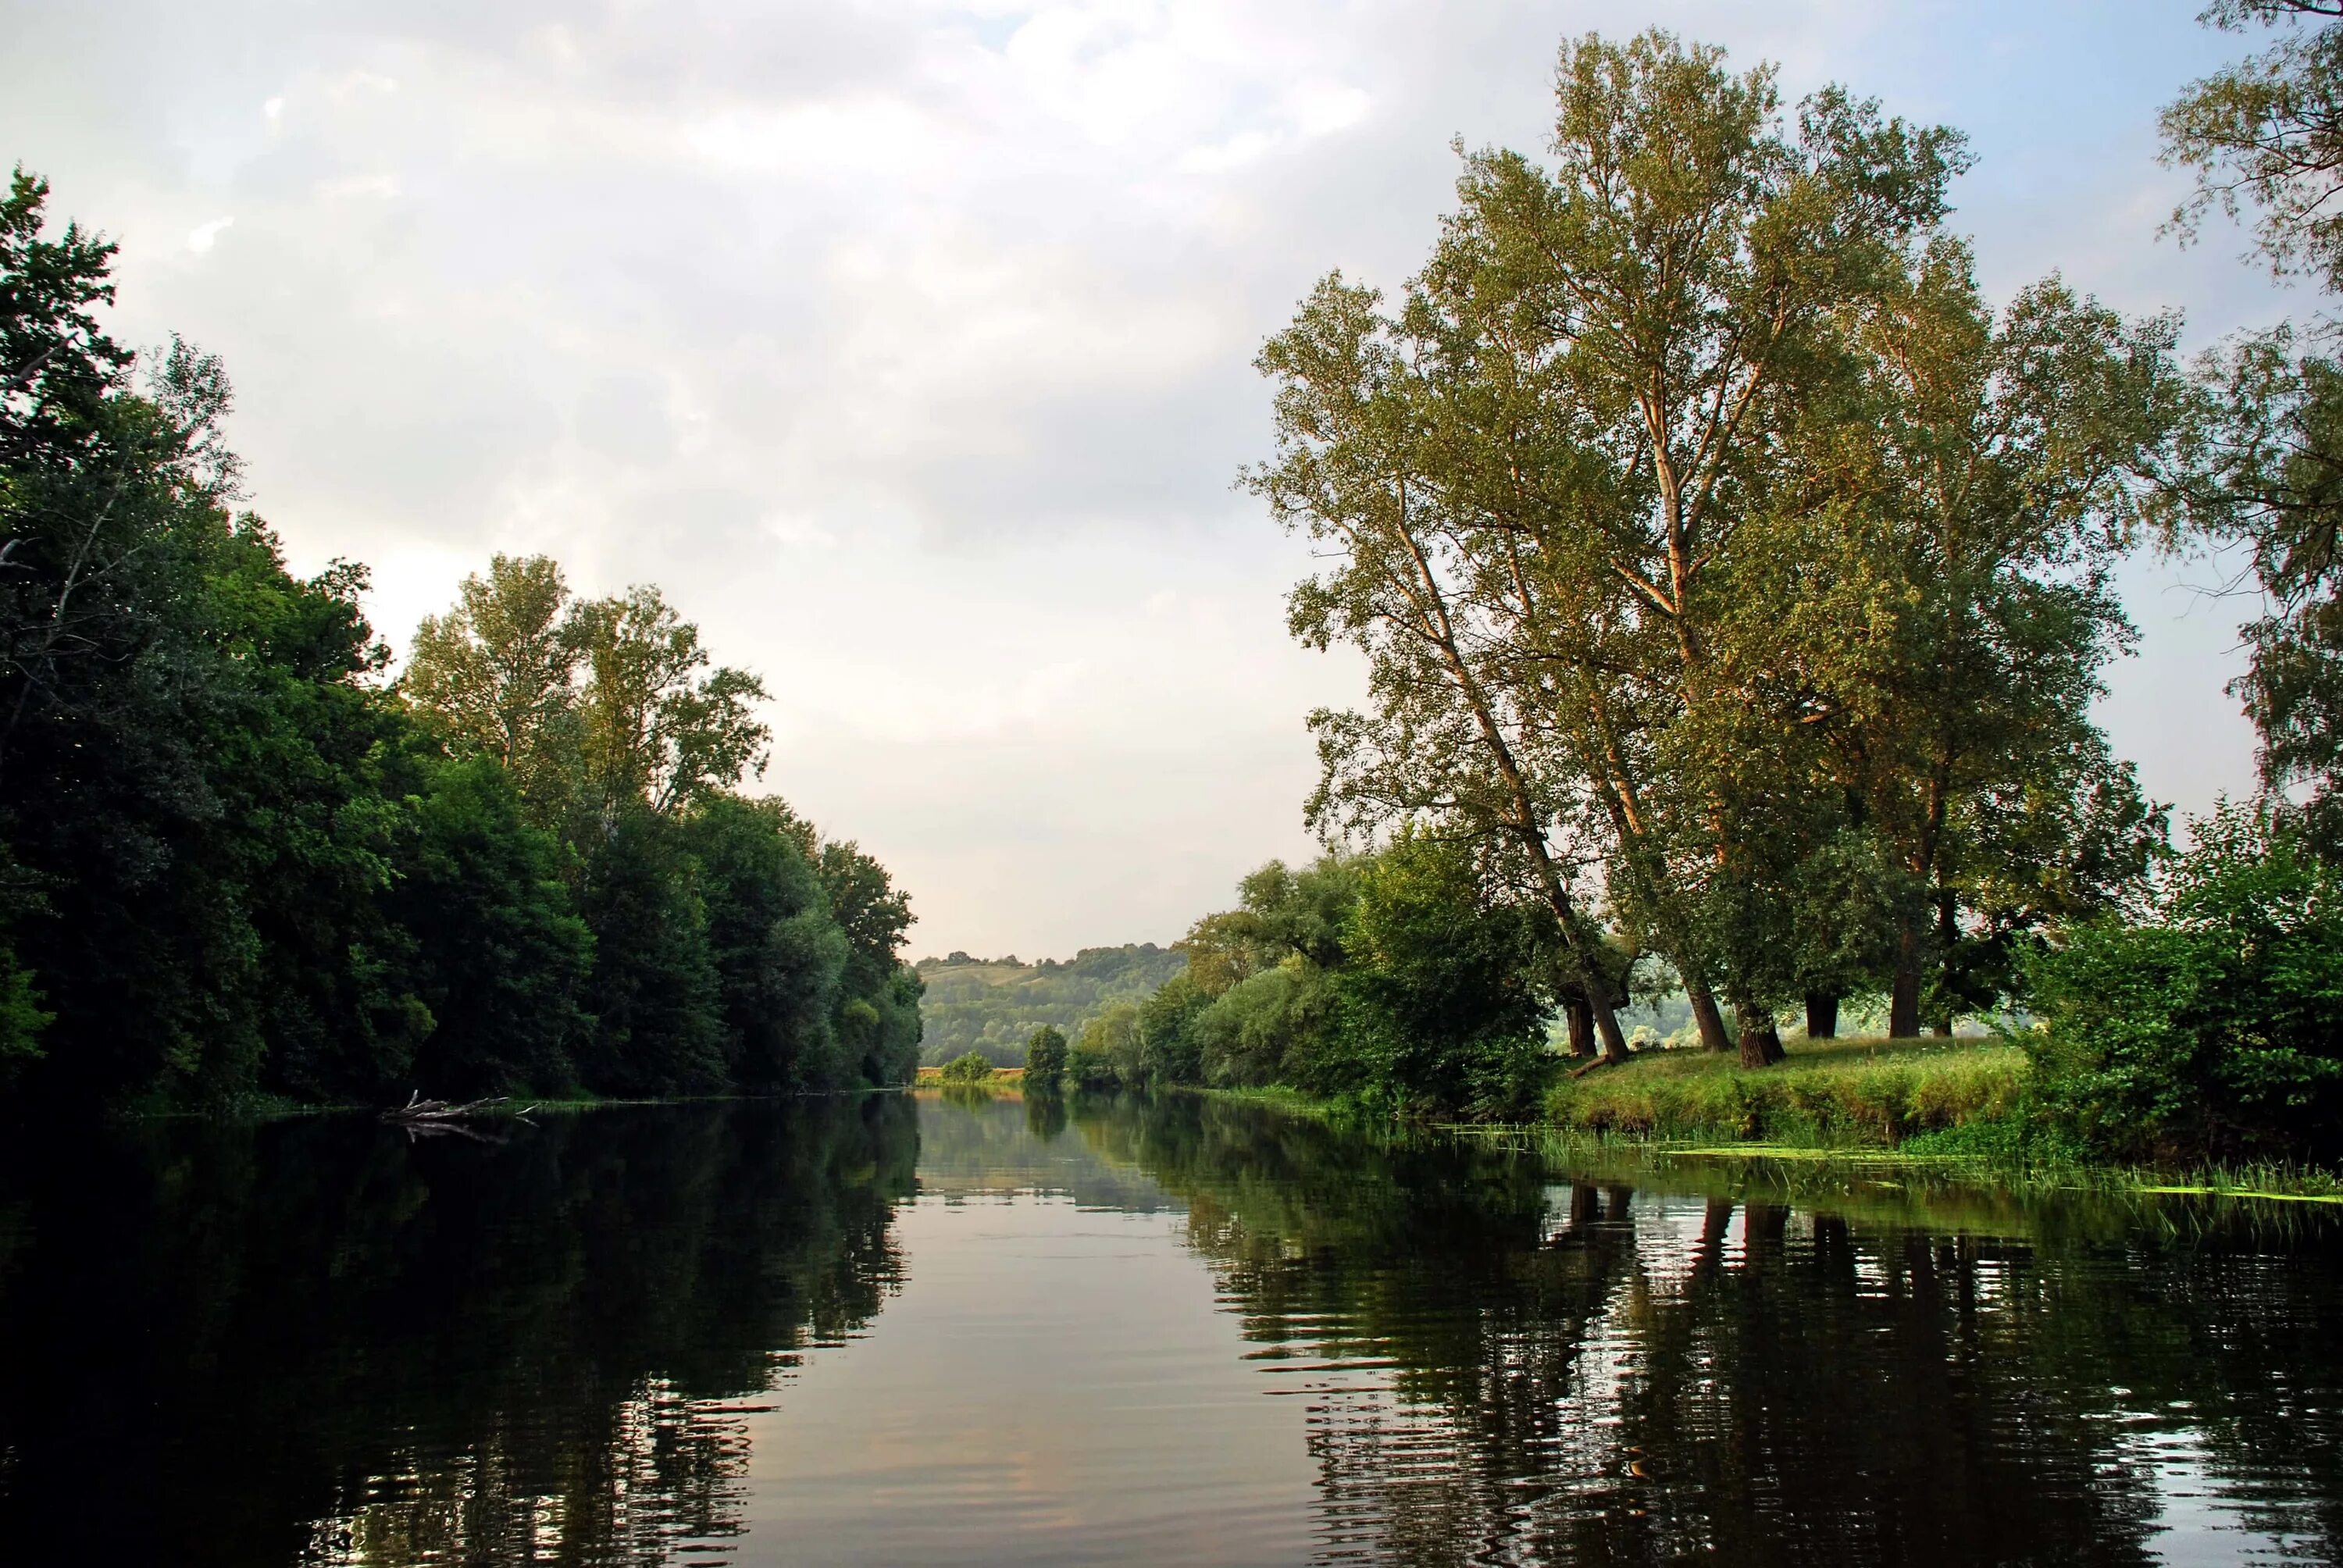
[(425, 1118)]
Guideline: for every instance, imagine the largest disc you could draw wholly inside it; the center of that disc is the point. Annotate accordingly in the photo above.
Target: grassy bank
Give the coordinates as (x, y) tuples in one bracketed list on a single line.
[(1876, 1092), (1002, 1078)]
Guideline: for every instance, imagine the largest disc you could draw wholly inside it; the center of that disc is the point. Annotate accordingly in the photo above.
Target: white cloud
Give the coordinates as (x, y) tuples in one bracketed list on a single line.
[(201, 238)]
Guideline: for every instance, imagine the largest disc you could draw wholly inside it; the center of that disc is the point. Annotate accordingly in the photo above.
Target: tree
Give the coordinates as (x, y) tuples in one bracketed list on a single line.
[(1441, 739), (653, 730), (2267, 133), (1045, 1059), (234, 864), (1167, 1049), (499, 956), (1105, 1054), (2212, 1029), (2265, 454), (1535, 477), (1940, 552), (494, 676), (655, 992), (1439, 991), (781, 955)]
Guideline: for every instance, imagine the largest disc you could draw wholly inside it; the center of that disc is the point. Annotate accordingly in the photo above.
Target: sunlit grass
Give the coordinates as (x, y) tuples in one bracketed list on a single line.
[(1876, 1092)]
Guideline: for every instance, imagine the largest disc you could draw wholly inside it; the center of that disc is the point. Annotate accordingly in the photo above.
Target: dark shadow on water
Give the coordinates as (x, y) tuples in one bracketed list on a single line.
[(217, 1334)]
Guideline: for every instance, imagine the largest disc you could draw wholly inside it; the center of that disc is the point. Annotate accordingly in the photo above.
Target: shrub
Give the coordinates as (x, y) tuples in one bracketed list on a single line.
[(973, 1067), (2214, 1029)]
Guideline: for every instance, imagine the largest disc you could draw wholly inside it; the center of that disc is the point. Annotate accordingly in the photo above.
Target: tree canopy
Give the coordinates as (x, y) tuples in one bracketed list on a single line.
[(238, 861)]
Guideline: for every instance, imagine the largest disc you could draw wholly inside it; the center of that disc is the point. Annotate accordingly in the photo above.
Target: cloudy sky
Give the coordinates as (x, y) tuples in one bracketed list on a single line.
[(908, 344)]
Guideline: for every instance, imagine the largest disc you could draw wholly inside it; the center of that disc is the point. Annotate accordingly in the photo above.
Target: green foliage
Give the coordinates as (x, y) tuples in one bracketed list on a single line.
[(1440, 991), (972, 1004), (2267, 133), (1724, 564), (2264, 465), (1269, 1028), (1163, 1035), (973, 1067), (1396, 979), (500, 957), (1105, 1055), (493, 677), (1872, 1092), (2214, 1029), (235, 865), (781, 955), (1045, 1059)]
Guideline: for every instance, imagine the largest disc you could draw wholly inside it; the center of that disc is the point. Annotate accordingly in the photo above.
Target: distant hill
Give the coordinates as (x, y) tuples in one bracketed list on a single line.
[(992, 1005)]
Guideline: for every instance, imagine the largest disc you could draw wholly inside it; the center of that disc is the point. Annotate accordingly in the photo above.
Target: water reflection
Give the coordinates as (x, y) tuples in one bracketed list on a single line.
[(1190, 1330), (449, 1352), (1502, 1367)]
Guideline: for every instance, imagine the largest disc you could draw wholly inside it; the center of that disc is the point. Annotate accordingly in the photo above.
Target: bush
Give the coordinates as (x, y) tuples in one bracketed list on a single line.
[(2214, 1029), (1045, 1058), (973, 1067)]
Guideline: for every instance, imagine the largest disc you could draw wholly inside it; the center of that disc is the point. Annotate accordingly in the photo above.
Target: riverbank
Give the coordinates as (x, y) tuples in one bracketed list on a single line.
[(1876, 1092), (1841, 1115), (1001, 1078)]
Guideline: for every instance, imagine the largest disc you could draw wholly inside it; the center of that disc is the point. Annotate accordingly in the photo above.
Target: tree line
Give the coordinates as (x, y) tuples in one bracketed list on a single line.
[(240, 861), (1734, 581)]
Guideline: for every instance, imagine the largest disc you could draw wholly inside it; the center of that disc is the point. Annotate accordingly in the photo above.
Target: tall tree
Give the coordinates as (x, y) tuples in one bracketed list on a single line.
[(1538, 473), (495, 675), (1941, 546), (654, 728), (2266, 135)]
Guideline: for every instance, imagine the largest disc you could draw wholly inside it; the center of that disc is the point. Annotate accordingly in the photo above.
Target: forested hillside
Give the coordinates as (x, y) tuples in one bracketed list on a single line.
[(972, 1004), (240, 864)]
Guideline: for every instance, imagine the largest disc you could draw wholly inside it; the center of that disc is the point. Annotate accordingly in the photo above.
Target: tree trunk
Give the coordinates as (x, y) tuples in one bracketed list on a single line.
[(1596, 994), (1704, 1015), (1582, 1025), (1761, 1042), (1948, 932), (1821, 1015), (1903, 993)]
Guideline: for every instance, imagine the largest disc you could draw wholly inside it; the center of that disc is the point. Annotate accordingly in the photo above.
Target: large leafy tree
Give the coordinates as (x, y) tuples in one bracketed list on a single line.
[(498, 954), (1940, 609), (2265, 137), (1537, 476), (657, 725), (495, 676), (780, 955)]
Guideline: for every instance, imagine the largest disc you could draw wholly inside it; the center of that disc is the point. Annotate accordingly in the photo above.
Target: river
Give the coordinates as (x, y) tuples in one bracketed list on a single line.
[(906, 1329)]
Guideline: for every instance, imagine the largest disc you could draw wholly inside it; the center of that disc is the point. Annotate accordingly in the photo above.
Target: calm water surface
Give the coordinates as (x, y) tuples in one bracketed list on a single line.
[(897, 1331)]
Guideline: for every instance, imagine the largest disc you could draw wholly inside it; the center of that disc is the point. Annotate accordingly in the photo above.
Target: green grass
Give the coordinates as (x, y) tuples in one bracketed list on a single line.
[(1865, 1092)]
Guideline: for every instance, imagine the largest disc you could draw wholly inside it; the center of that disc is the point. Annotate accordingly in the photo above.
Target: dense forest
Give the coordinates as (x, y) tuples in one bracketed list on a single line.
[(993, 1007), (240, 863), (1735, 582)]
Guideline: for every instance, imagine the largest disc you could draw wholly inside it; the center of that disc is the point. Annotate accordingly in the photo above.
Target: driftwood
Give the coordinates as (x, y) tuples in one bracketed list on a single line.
[(433, 1117)]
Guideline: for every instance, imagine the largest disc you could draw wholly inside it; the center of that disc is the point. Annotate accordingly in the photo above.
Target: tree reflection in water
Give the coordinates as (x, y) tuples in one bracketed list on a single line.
[(1506, 1366), (311, 1342), (537, 1351)]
